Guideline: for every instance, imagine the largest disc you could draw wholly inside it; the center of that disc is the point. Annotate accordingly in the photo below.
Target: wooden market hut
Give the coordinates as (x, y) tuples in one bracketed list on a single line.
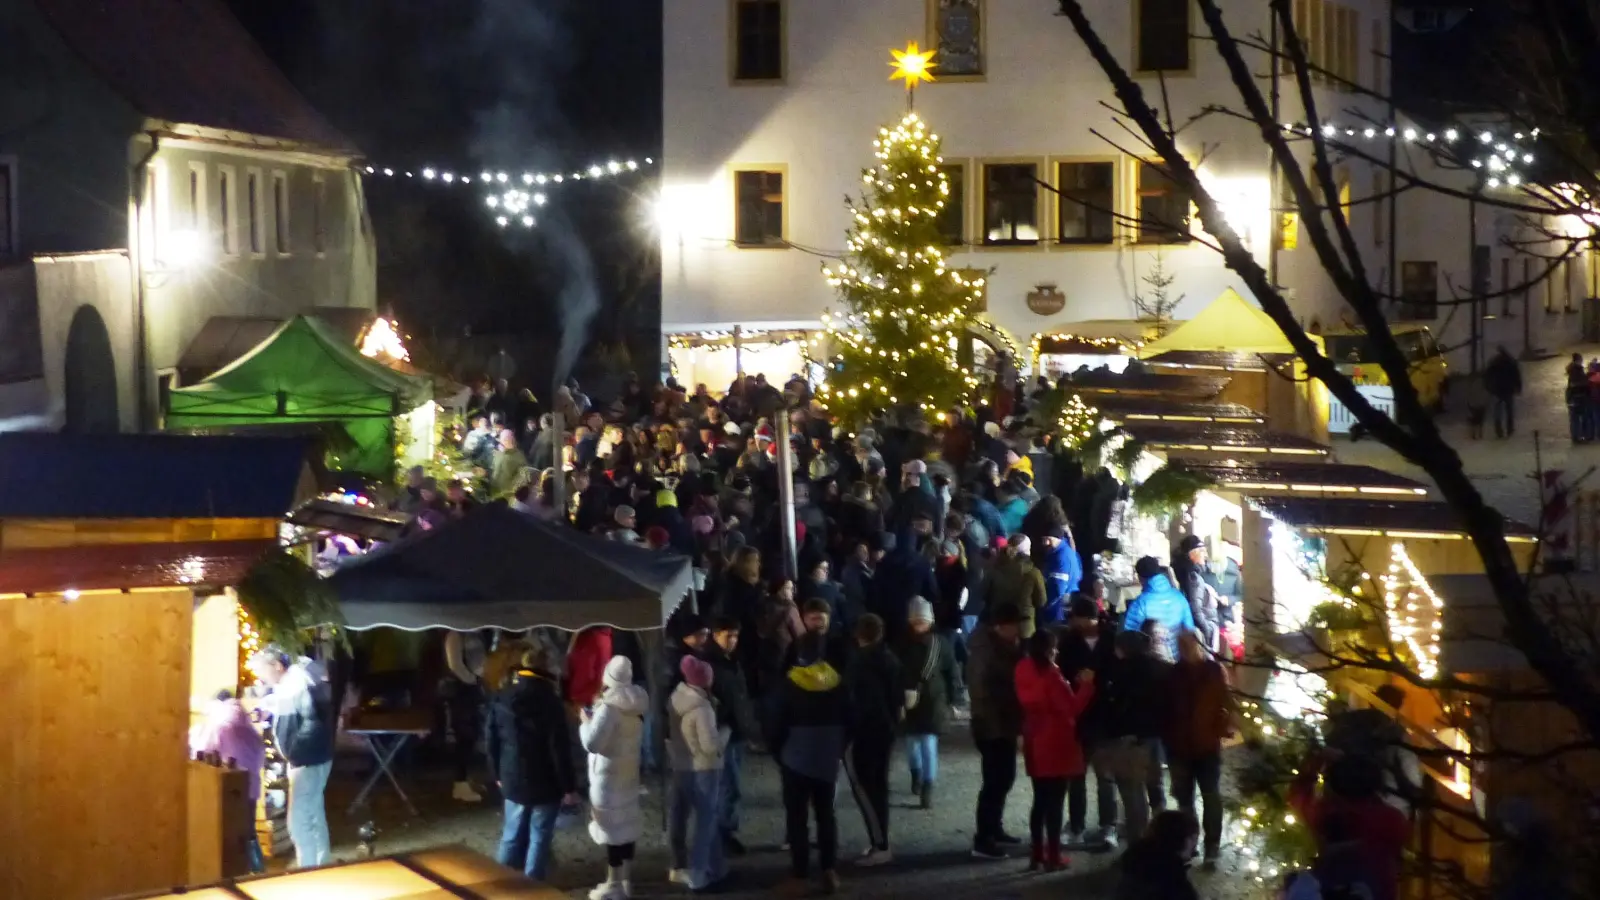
[(1233, 338), (1214, 443), (1124, 409), (117, 558)]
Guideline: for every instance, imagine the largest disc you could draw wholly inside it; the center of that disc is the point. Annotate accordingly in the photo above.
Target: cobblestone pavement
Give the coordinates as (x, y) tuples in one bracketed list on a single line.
[(1503, 469), (931, 847)]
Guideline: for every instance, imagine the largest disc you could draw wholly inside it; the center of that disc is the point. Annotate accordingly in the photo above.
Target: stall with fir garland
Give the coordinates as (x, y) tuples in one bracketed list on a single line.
[(905, 307)]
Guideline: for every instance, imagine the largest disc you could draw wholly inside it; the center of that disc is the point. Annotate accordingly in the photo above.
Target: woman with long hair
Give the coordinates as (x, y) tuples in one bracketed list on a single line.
[(1050, 747)]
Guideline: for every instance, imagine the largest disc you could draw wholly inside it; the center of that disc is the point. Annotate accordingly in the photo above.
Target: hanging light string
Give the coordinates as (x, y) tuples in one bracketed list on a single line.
[(1501, 158), (512, 196)]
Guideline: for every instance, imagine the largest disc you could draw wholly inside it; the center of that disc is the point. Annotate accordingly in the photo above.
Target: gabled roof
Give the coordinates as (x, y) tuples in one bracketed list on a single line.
[(149, 476), (189, 62)]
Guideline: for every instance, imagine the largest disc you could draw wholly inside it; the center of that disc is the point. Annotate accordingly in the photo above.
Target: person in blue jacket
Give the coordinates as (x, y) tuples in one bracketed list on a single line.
[(1062, 569), (1159, 604)]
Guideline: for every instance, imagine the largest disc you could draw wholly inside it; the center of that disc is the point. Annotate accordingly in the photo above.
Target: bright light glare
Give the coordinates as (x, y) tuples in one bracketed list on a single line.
[(184, 248)]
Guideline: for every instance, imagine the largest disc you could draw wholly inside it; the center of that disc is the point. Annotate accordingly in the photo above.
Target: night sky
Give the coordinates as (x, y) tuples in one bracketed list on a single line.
[(472, 84)]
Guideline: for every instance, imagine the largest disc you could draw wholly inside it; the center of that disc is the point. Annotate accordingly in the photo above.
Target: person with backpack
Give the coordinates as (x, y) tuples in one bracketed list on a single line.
[(1359, 837), (808, 726)]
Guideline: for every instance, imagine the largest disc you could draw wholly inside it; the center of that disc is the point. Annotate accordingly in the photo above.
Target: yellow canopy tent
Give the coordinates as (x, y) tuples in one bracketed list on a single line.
[(1234, 334)]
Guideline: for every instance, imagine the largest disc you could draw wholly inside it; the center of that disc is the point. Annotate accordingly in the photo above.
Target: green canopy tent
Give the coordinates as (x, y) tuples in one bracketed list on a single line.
[(306, 373)]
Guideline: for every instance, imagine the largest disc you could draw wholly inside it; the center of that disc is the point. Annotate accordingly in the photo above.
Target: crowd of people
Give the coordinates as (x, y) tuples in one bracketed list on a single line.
[(933, 577)]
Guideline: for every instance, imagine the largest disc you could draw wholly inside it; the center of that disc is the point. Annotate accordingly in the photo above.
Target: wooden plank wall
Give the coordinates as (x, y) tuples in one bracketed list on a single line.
[(92, 759)]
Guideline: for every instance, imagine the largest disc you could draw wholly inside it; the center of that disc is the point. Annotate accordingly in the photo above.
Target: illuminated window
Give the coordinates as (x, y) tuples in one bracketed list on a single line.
[(1419, 291), (1086, 214), (953, 218), (1165, 207), (957, 30), (758, 208), (757, 40), (1163, 36), (1011, 204)]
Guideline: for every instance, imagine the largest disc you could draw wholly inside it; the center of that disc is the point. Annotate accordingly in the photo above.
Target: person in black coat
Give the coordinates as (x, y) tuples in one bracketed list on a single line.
[(1502, 378), (877, 697), (530, 756), (1089, 642), (1133, 700), (900, 575), (731, 693)]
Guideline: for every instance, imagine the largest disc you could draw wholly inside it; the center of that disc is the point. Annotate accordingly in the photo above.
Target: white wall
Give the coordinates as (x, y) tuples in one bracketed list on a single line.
[(1040, 98)]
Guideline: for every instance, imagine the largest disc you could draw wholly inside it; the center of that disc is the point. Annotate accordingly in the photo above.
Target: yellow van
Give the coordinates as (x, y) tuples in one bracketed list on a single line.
[(1349, 349)]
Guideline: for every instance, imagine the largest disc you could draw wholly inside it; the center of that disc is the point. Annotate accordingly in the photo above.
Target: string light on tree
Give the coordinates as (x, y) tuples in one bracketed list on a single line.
[(1079, 421), (906, 310), (1499, 157)]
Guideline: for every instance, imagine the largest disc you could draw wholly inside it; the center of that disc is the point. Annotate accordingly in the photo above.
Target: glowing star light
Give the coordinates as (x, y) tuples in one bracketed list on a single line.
[(912, 65)]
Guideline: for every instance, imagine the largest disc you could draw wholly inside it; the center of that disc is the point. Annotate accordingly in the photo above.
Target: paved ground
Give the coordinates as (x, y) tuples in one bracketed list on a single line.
[(1503, 469), (932, 847)]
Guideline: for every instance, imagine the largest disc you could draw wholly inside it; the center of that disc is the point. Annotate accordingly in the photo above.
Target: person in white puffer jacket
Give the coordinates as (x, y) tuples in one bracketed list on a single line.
[(696, 748), (612, 733)]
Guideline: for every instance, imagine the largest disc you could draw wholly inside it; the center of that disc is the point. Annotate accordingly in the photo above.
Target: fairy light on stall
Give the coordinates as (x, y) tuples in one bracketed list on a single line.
[(1415, 613)]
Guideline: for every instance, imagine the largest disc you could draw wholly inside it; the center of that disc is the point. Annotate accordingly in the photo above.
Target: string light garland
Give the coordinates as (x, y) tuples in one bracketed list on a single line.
[(906, 308), (1413, 623), (1079, 344), (1499, 158), (1078, 422), (512, 195)]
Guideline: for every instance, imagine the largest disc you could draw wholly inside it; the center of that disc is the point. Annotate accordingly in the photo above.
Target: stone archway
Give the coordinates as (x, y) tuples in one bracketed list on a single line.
[(90, 376)]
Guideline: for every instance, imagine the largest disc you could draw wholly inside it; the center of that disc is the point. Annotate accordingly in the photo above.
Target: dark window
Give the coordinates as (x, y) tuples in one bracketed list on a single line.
[(225, 208), (953, 218), (8, 228), (758, 213), (252, 199), (1419, 290), (280, 213), (1164, 207), (1011, 204), (1163, 35), (758, 40), (958, 29), (1088, 198), (196, 199), (319, 217)]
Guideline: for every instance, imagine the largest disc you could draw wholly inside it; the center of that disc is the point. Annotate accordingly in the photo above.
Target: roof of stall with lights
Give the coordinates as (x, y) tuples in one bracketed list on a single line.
[(1155, 384), (1175, 437), (1225, 360), (1124, 408), (1306, 477), (189, 62), (150, 476), (1374, 516)]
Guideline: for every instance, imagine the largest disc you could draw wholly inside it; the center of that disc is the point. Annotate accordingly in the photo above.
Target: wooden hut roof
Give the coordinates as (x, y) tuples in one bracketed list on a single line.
[(1356, 515), (128, 566)]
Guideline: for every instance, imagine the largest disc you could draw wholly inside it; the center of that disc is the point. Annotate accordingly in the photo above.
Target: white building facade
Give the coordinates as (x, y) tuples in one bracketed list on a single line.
[(771, 107)]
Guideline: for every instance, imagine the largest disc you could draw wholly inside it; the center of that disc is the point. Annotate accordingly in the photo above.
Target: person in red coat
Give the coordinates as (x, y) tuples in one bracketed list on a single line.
[(1050, 747), (586, 665)]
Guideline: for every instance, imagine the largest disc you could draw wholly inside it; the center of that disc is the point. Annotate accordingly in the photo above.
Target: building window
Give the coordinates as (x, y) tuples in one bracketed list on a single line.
[(1165, 207), (253, 211), (156, 208), (1163, 36), (957, 29), (1087, 202), (757, 40), (227, 209), (319, 214), (953, 218), (758, 208), (1010, 204), (280, 213), (197, 199), (1566, 286), (1505, 286), (8, 209), (1419, 291)]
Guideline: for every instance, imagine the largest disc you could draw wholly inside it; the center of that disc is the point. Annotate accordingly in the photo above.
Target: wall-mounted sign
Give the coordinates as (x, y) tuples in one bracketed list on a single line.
[(1046, 300)]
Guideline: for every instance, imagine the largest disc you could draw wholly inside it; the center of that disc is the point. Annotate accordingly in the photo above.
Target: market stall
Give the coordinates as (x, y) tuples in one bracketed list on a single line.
[(306, 373), (1062, 353), (1220, 442), (1232, 336), (716, 358)]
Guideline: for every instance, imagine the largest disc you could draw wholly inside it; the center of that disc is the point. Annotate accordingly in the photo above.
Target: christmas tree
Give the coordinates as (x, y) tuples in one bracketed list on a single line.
[(906, 309)]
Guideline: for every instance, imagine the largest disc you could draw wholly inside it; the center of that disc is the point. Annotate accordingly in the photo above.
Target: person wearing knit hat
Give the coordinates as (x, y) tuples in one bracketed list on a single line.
[(656, 537), (528, 741), (920, 611), (695, 746), (612, 732)]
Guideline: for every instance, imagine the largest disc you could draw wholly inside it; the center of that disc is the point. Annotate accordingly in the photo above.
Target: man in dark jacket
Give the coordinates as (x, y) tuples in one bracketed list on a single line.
[(530, 757), (996, 723), (856, 579), (1133, 698), (1502, 378), (818, 585), (302, 728), (1200, 715), (901, 574), (878, 702), (808, 727), (1089, 642), (732, 695)]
